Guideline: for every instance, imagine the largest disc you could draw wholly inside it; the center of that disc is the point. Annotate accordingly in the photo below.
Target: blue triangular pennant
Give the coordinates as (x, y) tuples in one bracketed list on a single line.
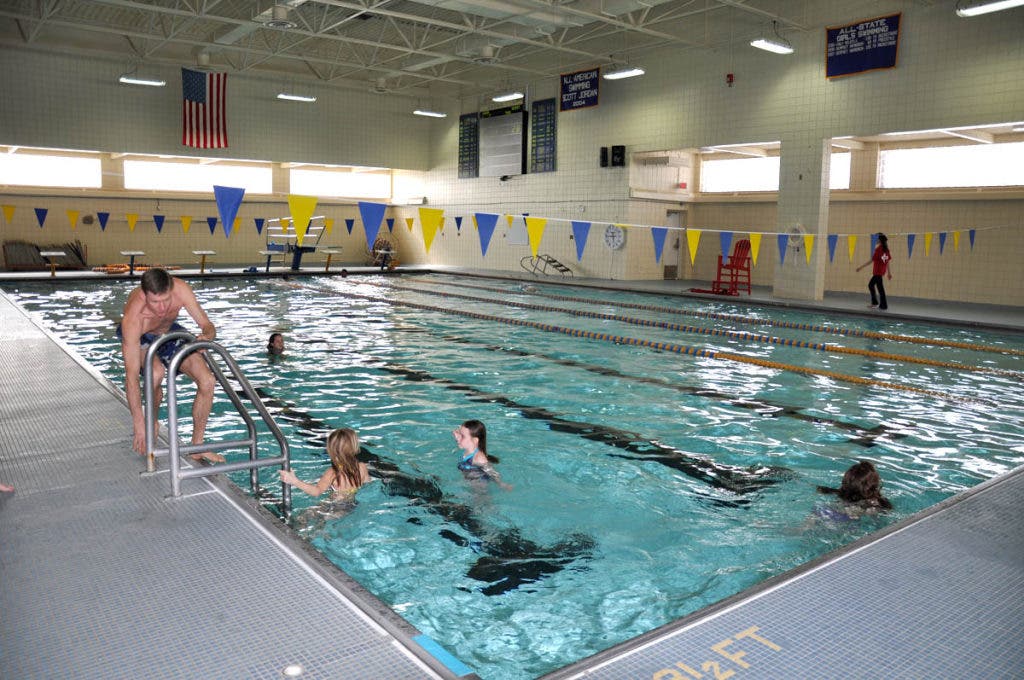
[(833, 239), (259, 224), (970, 235), (658, 234), (349, 223), (725, 241), (942, 241), (212, 221), (391, 224), (486, 222), (783, 242), (372, 214), (159, 221), (910, 244), (41, 216), (580, 231), (228, 200), (458, 224), (103, 217)]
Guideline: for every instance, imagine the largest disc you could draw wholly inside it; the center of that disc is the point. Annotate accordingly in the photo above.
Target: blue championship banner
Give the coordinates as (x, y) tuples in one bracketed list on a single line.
[(580, 89), (863, 46)]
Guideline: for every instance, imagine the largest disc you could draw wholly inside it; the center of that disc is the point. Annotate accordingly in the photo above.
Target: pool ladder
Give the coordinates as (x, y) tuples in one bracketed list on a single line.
[(175, 449)]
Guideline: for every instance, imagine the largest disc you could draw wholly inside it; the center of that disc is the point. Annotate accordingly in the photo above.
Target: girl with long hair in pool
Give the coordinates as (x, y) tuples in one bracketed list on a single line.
[(860, 492), (476, 464), (346, 473)]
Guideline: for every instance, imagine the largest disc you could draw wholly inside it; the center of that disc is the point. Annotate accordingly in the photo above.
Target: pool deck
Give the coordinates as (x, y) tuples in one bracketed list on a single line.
[(102, 575)]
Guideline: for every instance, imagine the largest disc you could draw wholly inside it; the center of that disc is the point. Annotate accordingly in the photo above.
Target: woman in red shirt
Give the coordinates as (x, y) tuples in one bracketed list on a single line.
[(881, 259)]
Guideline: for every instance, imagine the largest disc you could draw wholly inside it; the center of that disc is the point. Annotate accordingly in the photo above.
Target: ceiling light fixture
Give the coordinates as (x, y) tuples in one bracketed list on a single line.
[(774, 43), (973, 9), (620, 71), (132, 79), (429, 114), (279, 18), (509, 97), (296, 97)]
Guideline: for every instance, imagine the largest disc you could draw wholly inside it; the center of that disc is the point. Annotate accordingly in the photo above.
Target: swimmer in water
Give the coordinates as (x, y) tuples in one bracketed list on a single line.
[(471, 438), (275, 345), (346, 473), (860, 492)]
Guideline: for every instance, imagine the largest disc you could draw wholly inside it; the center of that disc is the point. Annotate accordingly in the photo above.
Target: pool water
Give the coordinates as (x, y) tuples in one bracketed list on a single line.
[(647, 483)]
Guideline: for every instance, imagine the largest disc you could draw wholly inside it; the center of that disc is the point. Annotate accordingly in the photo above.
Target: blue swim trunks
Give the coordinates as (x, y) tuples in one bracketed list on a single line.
[(167, 349)]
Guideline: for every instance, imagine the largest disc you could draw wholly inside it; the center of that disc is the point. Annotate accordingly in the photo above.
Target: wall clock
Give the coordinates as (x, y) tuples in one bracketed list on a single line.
[(614, 236)]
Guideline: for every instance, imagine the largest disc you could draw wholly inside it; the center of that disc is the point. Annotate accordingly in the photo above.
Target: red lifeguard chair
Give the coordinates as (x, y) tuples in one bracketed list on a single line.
[(733, 273)]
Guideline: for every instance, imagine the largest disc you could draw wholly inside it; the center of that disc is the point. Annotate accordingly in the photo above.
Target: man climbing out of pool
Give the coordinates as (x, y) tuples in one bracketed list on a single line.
[(152, 310)]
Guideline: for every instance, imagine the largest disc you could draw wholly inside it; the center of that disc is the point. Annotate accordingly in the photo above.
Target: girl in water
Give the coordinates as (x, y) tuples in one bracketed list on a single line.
[(471, 438), (345, 475), (860, 492)]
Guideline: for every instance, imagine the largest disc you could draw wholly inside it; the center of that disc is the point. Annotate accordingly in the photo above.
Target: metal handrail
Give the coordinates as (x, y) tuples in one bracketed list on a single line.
[(539, 265), (175, 449)]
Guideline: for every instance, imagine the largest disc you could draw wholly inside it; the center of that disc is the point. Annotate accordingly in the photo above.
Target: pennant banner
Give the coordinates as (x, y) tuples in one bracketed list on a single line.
[(928, 243), (725, 242), (851, 245), (350, 223), (580, 231), (186, 223), (301, 208), (132, 218), (755, 247), (430, 221), (910, 245), (328, 224), (658, 235), (956, 241), (259, 224), (692, 241), (212, 221), (832, 241), (158, 220), (458, 224), (8, 213), (103, 217), (408, 223), (970, 234), (783, 243), (808, 246), (942, 242), (535, 231), (41, 216), (372, 214), (485, 223), (73, 218), (391, 224), (228, 200)]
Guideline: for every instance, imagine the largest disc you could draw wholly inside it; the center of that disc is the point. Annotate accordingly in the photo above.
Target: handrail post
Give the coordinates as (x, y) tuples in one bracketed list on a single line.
[(148, 407)]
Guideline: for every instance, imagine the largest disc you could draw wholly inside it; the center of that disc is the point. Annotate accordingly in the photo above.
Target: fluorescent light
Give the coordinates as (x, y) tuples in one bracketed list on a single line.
[(429, 114), (776, 45), (136, 80), (973, 10), (296, 97), (511, 96), (620, 72)]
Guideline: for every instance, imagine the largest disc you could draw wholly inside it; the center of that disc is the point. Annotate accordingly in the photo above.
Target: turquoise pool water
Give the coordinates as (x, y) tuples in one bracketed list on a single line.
[(647, 484)]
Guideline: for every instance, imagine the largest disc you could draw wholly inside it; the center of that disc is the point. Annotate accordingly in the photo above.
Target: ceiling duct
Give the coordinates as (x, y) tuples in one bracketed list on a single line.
[(485, 55), (279, 18)]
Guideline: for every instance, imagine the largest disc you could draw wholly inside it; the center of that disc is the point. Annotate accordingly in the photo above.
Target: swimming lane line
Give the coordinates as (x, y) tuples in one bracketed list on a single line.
[(849, 332), (699, 330)]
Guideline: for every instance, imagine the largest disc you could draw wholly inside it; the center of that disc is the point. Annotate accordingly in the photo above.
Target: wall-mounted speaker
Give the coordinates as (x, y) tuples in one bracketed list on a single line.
[(618, 156), (604, 156)]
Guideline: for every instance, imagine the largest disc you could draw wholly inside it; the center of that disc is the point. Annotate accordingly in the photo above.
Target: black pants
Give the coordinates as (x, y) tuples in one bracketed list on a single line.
[(876, 284)]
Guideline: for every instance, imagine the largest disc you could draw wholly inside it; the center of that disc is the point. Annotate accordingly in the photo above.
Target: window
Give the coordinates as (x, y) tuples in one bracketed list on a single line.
[(761, 174), (981, 165), (167, 176), (50, 171), (341, 183)]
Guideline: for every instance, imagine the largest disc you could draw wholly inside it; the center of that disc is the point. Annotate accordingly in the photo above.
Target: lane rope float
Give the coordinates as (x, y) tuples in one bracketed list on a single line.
[(638, 342), (833, 330), (699, 330)]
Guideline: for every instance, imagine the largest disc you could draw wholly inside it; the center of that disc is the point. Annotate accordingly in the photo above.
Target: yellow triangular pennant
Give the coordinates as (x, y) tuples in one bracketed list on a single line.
[(851, 244), (186, 223), (285, 223), (329, 224), (408, 222), (510, 218), (755, 247), (132, 219), (927, 242), (430, 220), (692, 241), (302, 208), (8, 213), (956, 241), (535, 231), (808, 246), (73, 218)]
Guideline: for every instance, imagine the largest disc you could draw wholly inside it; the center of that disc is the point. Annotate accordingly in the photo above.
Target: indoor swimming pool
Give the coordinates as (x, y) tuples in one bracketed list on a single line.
[(663, 452)]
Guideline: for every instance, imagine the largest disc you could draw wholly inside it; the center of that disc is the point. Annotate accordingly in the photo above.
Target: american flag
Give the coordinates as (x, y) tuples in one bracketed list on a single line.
[(203, 109)]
